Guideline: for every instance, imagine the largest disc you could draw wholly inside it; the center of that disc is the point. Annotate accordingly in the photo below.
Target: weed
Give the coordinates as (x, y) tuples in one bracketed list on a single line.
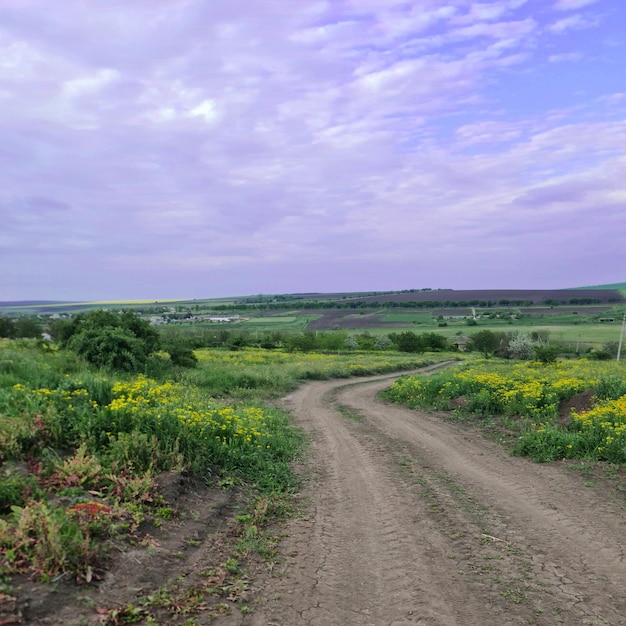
[(232, 566), (515, 595), (350, 413), (164, 512)]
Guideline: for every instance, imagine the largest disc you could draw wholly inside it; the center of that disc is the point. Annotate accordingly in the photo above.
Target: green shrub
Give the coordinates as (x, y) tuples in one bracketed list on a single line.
[(611, 387), (105, 339)]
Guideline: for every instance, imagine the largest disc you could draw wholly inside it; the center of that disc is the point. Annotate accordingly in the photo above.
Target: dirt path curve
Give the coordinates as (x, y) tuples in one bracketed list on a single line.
[(412, 520)]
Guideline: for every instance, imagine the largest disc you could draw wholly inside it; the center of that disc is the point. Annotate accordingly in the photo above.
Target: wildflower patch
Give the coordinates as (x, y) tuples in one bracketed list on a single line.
[(534, 391)]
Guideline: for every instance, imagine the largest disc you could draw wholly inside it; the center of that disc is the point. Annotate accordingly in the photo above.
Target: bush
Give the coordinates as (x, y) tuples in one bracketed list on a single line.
[(611, 387), (183, 357), (521, 346), (407, 341), (486, 342), (114, 348), (546, 354), (115, 341)]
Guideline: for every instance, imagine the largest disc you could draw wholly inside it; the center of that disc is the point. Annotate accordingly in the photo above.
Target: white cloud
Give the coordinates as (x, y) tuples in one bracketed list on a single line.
[(574, 22), (571, 5), (489, 132), (164, 114), (565, 56), (206, 110), (89, 84)]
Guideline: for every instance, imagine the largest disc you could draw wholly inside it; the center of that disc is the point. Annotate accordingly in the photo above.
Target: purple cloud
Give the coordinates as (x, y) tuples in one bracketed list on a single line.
[(192, 148)]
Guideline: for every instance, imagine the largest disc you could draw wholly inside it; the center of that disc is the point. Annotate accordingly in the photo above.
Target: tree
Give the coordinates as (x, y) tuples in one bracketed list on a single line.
[(366, 341), (334, 341), (383, 342), (407, 341), (351, 342), (303, 342), (485, 342), (61, 330), (611, 348), (7, 328), (106, 339), (27, 328), (182, 356), (546, 354), (434, 342), (521, 346), (111, 347), (180, 348)]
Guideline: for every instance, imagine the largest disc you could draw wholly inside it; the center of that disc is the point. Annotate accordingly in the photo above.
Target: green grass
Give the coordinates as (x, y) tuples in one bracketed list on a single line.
[(410, 318), (282, 323), (274, 319), (116, 434), (260, 375), (570, 329)]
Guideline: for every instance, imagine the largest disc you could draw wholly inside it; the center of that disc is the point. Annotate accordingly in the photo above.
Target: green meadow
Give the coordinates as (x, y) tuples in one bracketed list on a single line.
[(82, 447)]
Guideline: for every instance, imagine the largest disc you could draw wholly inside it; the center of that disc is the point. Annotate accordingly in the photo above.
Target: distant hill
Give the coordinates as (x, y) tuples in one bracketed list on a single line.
[(618, 286), (519, 297), (606, 295), (23, 303)]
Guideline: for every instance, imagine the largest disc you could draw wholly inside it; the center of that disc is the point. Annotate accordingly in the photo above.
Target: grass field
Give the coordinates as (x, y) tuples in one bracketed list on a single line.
[(409, 318), (594, 334), (283, 323), (278, 319), (257, 375), (569, 328)]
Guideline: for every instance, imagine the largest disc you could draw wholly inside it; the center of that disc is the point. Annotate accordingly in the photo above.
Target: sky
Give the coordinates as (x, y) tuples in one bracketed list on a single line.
[(210, 148)]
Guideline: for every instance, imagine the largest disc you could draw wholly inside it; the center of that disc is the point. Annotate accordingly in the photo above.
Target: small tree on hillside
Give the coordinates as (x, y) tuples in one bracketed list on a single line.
[(521, 346), (486, 342), (27, 328), (383, 342), (106, 339), (407, 341), (434, 342), (111, 347), (7, 328)]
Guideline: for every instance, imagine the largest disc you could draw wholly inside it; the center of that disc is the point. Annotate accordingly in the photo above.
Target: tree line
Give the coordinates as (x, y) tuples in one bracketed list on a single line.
[(124, 341)]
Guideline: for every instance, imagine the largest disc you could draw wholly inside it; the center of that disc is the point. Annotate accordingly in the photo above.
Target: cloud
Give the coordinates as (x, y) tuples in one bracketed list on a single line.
[(226, 143), (565, 57), (88, 85), (572, 5), (489, 132), (574, 22)]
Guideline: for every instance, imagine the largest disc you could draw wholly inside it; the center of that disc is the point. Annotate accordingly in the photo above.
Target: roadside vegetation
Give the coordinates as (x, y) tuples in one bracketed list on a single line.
[(81, 450), (90, 422), (530, 398)]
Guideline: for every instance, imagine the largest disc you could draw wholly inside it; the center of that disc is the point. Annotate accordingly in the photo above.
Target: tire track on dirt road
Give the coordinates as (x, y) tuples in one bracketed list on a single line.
[(412, 520)]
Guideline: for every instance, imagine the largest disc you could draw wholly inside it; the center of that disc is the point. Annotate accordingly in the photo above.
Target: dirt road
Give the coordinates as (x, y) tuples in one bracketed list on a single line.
[(413, 520)]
